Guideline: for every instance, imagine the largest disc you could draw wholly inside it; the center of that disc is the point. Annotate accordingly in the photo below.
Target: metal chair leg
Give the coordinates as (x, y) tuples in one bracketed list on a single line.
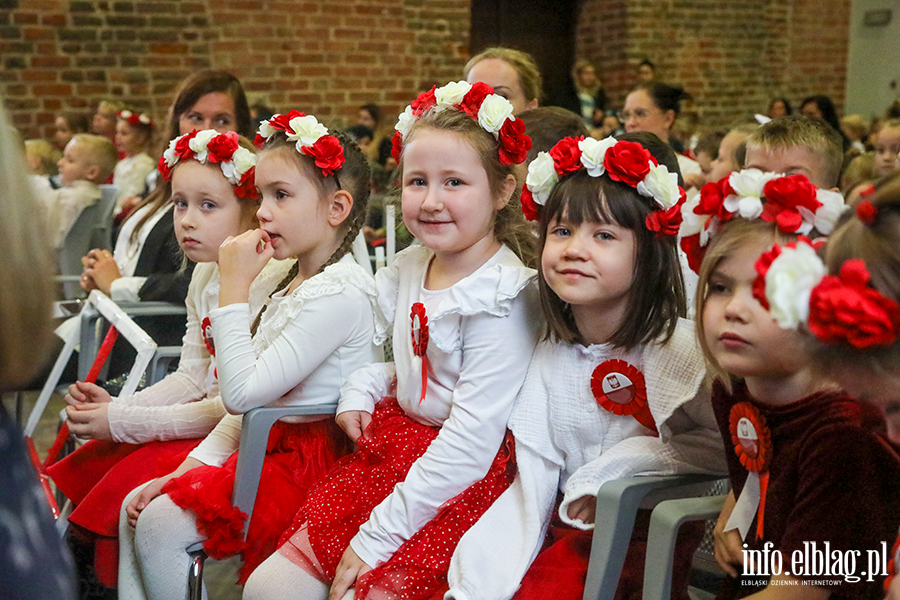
[(195, 572)]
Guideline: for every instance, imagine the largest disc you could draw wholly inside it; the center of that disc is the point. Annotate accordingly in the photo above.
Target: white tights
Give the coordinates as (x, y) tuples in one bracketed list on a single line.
[(153, 563), (277, 578)]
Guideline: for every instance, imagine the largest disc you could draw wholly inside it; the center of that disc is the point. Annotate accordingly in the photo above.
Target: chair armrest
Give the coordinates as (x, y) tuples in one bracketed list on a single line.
[(159, 364), (667, 517), (252, 452), (617, 504)]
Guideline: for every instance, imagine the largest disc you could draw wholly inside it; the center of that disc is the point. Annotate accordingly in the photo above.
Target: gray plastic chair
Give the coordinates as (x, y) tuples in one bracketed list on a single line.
[(251, 454), (90, 230), (617, 504)]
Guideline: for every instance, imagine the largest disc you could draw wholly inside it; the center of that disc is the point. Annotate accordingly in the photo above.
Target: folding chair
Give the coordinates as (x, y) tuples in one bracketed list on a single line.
[(251, 454), (120, 323), (101, 236), (90, 230), (617, 504)]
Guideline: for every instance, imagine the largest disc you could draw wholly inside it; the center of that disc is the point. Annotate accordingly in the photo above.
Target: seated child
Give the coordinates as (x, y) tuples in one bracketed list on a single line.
[(134, 134), (801, 448), (87, 162), (797, 144), (42, 157), (887, 147), (731, 154), (705, 152)]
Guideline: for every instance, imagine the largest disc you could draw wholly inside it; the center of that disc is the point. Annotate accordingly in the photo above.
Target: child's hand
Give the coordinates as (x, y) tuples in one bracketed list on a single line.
[(89, 421), (583, 509), (154, 489), (347, 572), (104, 271), (354, 423), (728, 544), (241, 259), (81, 391)]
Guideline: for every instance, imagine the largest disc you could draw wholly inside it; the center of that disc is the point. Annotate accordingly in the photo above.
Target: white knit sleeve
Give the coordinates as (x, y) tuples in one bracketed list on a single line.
[(139, 424), (222, 442)]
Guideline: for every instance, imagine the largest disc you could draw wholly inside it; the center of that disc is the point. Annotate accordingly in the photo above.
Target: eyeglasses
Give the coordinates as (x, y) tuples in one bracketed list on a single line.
[(640, 114)]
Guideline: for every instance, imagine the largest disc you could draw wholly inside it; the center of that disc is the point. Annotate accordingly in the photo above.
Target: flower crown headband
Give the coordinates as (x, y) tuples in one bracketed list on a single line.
[(211, 147), (790, 201), (135, 118), (792, 284), (311, 137), (493, 112), (626, 162)]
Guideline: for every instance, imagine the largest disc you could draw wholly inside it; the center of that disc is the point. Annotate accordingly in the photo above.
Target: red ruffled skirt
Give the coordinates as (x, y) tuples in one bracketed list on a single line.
[(98, 476), (342, 502), (560, 570), (297, 456)]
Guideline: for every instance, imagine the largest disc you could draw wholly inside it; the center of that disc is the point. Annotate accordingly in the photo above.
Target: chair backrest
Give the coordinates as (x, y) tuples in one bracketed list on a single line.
[(76, 244), (101, 236)]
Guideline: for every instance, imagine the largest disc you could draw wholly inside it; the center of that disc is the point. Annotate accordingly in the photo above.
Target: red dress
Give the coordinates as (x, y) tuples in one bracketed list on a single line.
[(341, 503)]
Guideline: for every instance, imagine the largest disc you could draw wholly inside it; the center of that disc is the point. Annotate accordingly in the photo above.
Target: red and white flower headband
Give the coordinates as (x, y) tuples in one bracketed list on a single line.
[(135, 118), (790, 201), (627, 162), (311, 137), (493, 112), (792, 283), (211, 147)]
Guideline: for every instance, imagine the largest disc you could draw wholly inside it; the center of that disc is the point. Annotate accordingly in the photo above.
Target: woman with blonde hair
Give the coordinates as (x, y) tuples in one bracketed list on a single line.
[(583, 93)]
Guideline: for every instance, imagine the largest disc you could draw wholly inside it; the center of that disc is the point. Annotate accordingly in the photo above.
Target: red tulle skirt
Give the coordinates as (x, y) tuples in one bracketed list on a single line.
[(560, 570), (342, 502), (297, 456), (98, 476)]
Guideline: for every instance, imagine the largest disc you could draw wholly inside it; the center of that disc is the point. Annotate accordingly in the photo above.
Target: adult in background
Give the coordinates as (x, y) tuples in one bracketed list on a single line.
[(512, 73), (822, 108), (583, 93)]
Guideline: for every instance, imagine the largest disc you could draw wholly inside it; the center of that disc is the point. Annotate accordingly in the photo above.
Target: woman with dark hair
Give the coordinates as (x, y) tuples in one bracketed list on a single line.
[(779, 107), (653, 106), (822, 108)]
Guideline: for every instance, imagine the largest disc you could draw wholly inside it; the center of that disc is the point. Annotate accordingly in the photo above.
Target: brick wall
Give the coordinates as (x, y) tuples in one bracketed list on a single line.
[(733, 57), (322, 57)]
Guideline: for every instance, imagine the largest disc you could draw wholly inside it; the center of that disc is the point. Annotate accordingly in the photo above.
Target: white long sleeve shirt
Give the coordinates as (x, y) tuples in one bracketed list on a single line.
[(308, 343), (186, 404), (482, 331), (566, 440)]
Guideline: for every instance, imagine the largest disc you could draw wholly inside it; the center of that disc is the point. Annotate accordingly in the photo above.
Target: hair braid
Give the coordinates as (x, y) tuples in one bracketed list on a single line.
[(291, 274)]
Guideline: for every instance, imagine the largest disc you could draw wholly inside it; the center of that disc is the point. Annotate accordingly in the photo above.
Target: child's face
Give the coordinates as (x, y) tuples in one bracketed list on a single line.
[(62, 135), (887, 148), (291, 211), (128, 139), (76, 164), (741, 335), (790, 161), (724, 163), (104, 123), (206, 210), (446, 196), (590, 266), (705, 161)]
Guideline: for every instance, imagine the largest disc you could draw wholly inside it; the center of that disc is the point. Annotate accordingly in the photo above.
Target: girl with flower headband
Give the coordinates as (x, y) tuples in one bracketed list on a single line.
[(136, 438), (613, 389), (313, 332), (134, 137), (797, 447), (433, 451)]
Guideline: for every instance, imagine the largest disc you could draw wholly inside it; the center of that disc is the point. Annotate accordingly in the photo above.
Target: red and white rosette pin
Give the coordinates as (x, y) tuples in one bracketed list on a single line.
[(620, 389), (892, 565), (419, 330), (753, 445), (207, 333)]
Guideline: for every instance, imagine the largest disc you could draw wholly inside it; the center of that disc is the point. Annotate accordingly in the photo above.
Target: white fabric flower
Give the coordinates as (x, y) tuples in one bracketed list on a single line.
[(789, 282), (691, 223), (593, 152), (144, 119), (541, 177), (493, 113), (405, 121), (827, 215), (452, 93), (124, 113), (266, 130), (748, 190), (242, 161), (660, 185), (307, 130), (200, 142), (169, 154)]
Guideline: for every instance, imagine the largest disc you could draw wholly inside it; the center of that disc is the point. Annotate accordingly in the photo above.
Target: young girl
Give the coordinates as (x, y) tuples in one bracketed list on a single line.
[(315, 331), (134, 134), (139, 437), (613, 390), (432, 447), (799, 448)]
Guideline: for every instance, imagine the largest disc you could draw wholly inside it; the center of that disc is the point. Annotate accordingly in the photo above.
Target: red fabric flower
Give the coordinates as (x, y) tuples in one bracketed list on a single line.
[(784, 197), (514, 144), (762, 268), (866, 212), (665, 222), (628, 162), (328, 152), (396, 146), (164, 169), (281, 121), (247, 187), (693, 250), (425, 101), (182, 146), (222, 147), (529, 207), (471, 102), (712, 200), (419, 328), (844, 309), (567, 156), (259, 141)]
